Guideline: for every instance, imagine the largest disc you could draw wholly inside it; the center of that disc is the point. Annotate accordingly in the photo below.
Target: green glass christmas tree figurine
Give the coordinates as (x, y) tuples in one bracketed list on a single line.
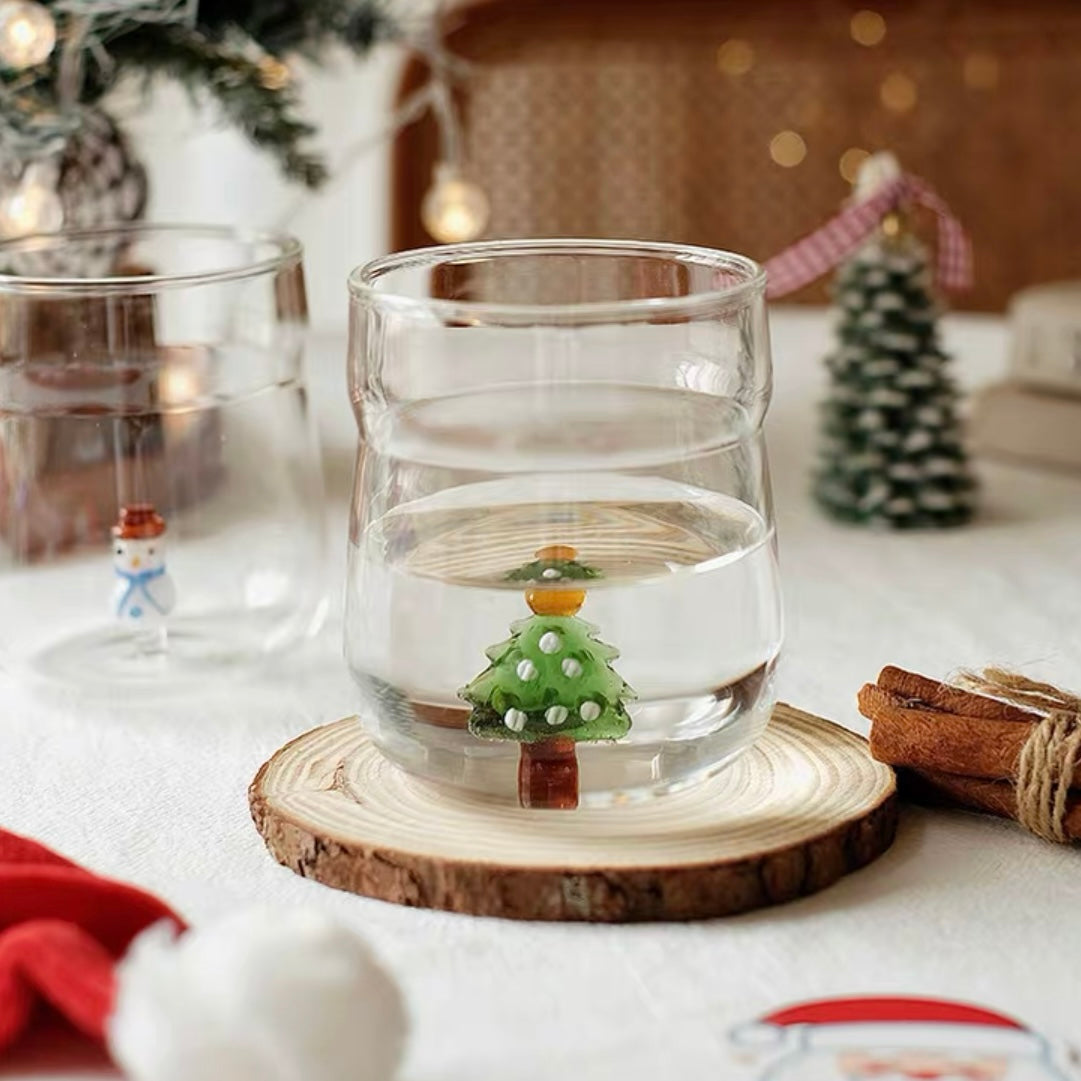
[(551, 684), (891, 452)]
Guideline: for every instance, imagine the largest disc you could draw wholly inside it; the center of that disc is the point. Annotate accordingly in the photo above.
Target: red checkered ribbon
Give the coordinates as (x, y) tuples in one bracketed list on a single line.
[(825, 248)]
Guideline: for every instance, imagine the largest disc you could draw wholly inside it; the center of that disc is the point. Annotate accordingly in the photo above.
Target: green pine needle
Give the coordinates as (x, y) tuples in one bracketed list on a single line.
[(267, 116), (218, 54)]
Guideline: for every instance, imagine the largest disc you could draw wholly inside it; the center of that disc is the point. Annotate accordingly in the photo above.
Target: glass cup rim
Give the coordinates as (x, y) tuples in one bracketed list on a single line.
[(288, 251), (364, 281)]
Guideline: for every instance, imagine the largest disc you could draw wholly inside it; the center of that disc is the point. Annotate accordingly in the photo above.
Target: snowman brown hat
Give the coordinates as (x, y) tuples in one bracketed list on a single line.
[(138, 521)]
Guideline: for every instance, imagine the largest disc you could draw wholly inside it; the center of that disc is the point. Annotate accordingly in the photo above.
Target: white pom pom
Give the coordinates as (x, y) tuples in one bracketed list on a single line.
[(260, 996)]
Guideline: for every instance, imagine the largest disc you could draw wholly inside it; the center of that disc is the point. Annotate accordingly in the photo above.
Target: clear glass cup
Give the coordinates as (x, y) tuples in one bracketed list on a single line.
[(161, 504), (562, 581)]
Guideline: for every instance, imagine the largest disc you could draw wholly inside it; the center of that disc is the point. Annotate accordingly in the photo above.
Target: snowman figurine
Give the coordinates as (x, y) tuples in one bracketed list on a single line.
[(144, 593)]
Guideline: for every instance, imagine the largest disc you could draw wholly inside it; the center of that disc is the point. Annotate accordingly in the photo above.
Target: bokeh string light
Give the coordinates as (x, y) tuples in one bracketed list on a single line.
[(898, 92), (48, 52), (32, 204), (455, 207), (788, 149), (27, 34)]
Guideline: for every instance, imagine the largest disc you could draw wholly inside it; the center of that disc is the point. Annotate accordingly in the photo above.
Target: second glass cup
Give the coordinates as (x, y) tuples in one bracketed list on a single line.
[(562, 583), (161, 501)]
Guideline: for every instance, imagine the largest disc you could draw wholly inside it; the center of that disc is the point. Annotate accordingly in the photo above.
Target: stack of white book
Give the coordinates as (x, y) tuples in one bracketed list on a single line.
[(1035, 415)]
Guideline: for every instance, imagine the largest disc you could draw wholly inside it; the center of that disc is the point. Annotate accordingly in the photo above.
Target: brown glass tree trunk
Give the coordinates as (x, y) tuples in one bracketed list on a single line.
[(548, 775)]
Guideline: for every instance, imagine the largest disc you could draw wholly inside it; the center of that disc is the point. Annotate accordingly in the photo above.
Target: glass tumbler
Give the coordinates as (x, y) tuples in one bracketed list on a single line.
[(161, 508), (562, 581)]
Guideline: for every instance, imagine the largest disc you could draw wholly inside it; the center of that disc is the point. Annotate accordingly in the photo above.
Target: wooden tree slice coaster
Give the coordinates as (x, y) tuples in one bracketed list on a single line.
[(805, 806)]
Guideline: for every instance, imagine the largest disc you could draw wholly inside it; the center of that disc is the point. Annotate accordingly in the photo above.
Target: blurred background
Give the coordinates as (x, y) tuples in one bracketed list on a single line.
[(734, 124)]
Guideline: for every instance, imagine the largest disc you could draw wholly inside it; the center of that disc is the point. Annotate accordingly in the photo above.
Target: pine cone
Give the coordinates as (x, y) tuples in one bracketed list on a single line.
[(99, 183)]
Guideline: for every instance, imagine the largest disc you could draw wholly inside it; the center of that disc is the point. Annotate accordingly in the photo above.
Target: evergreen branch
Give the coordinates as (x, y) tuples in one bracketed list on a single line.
[(299, 26), (266, 115)]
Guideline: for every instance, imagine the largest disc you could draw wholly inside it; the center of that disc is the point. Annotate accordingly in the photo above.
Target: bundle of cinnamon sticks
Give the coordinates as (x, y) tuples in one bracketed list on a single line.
[(960, 748)]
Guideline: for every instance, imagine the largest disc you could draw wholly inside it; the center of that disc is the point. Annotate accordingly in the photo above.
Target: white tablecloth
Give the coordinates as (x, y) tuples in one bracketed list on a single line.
[(961, 907)]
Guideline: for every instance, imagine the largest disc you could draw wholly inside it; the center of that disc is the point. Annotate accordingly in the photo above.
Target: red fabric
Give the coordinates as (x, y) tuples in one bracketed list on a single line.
[(62, 928), (848, 1011), (825, 248)]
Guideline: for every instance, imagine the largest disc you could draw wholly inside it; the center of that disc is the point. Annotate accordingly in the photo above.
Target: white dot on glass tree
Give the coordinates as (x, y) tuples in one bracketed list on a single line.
[(515, 719), (555, 715), (572, 669), (551, 572), (871, 319), (869, 419), (526, 670), (929, 415), (900, 505), (589, 711), (550, 642)]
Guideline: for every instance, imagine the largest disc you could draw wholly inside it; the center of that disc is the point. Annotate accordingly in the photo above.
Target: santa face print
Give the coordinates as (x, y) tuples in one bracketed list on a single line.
[(896, 1038), (138, 556), (913, 1065)]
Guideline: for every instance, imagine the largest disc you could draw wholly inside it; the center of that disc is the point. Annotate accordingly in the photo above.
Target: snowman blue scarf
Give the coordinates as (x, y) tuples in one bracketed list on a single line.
[(137, 584)]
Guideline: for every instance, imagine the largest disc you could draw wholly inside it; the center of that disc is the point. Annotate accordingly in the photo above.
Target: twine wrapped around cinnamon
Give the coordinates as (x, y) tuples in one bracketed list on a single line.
[(993, 741)]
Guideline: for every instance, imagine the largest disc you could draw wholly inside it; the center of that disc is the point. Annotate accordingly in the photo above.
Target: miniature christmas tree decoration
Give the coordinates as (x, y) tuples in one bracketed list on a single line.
[(551, 683), (891, 452), (144, 593)]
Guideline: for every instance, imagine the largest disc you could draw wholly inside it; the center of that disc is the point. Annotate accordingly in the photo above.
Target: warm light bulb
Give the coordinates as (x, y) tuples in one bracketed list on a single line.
[(32, 206), (178, 385), (454, 208), (27, 33)]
